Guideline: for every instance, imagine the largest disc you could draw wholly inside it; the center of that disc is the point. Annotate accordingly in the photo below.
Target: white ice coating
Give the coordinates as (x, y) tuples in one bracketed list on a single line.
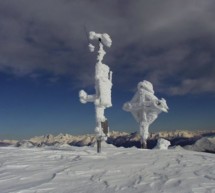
[(145, 107), (91, 47), (103, 83), (162, 144), (104, 38)]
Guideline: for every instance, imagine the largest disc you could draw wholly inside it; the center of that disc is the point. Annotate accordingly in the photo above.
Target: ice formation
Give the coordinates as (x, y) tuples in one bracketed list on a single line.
[(162, 144), (145, 107), (103, 85)]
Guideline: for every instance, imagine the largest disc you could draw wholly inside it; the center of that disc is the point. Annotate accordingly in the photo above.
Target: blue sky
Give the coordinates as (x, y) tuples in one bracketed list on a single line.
[(44, 62)]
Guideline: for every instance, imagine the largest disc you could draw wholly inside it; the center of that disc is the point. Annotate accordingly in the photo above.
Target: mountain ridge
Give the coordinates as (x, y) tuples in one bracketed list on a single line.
[(191, 140)]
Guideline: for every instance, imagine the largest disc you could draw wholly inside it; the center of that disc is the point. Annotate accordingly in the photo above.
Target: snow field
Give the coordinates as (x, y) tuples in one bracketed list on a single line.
[(82, 170)]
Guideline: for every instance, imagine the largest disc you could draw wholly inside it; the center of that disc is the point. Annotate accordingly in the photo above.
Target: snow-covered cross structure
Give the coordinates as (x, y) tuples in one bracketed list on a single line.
[(145, 107), (103, 85)]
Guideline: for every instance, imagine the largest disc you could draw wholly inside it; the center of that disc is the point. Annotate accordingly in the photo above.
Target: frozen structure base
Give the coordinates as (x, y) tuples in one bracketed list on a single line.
[(103, 85), (145, 107)]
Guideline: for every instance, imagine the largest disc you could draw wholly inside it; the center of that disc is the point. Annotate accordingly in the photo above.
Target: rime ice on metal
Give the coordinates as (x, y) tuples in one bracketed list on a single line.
[(145, 107), (103, 84)]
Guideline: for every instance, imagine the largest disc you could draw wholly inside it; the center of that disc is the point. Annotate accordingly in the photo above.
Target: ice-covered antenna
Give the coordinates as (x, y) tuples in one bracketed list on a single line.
[(104, 40), (103, 85)]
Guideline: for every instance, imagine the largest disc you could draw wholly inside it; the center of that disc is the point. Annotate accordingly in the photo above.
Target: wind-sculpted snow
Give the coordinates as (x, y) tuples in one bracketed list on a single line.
[(69, 169), (204, 144)]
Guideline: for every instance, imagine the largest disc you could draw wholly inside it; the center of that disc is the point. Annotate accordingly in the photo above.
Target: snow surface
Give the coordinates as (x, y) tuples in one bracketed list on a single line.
[(66, 169)]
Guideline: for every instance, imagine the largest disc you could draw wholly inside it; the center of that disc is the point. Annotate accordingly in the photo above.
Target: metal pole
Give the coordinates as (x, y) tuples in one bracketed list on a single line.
[(98, 145), (143, 144)]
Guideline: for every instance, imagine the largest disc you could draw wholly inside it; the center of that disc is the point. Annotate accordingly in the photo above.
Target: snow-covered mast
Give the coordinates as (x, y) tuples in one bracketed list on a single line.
[(145, 107), (103, 85)]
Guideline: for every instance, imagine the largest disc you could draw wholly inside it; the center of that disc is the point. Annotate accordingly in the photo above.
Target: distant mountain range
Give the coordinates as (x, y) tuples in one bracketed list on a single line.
[(191, 140)]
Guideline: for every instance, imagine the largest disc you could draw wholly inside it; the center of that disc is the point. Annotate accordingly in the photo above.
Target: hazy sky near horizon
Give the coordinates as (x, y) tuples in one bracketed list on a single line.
[(44, 62)]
